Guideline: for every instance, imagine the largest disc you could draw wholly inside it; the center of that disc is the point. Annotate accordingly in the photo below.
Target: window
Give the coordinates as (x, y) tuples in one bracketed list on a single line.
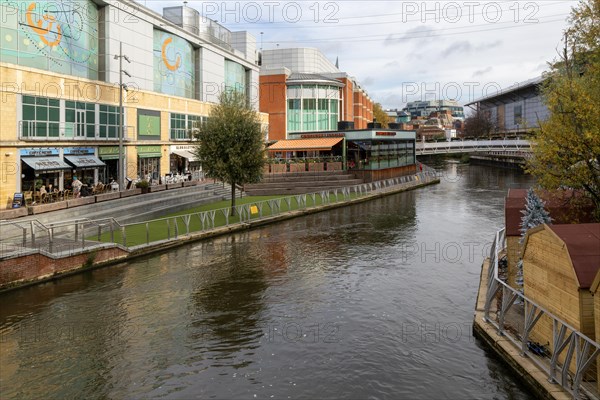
[(109, 122), (293, 115), (41, 117), (518, 110), (80, 119), (184, 126), (178, 127)]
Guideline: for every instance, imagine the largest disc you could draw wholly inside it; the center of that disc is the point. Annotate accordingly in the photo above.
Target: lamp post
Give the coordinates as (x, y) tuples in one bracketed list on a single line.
[(121, 167)]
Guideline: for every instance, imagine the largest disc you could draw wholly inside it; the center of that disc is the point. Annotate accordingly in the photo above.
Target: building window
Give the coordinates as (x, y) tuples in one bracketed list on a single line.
[(178, 127), (41, 117), (80, 119), (333, 114), (293, 115), (518, 114), (184, 127), (109, 122), (312, 108), (309, 115), (235, 76)]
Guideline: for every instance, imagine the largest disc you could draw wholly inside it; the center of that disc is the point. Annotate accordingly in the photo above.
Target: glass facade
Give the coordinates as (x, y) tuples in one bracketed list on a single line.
[(184, 126), (375, 155), (174, 66), (45, 118), (312, 108), (235, 76), (58, 36)]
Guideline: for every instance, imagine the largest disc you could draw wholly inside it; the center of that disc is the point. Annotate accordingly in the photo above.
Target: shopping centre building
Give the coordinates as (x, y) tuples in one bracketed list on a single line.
[(302, 91), (60, 94)]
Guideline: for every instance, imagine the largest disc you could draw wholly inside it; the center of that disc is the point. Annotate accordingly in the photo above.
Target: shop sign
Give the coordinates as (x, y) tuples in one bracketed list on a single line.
[(109, 153), (187, 147), (39, 152), (385, 133), (80, 151), (18, 200), (148, 151), (321, 135)]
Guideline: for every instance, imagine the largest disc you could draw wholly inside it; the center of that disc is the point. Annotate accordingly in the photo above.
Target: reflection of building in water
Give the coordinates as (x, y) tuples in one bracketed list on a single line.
[(61, 111)]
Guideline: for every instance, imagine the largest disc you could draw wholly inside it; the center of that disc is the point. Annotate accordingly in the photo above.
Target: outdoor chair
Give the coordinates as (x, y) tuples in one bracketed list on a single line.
[(28, 196)]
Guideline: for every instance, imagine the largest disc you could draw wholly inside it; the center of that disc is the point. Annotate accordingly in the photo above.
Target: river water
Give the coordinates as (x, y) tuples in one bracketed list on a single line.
[(373, 301)]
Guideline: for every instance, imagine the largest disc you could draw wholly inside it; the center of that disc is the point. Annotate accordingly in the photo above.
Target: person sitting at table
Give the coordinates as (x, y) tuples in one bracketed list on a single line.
[(77, 184)]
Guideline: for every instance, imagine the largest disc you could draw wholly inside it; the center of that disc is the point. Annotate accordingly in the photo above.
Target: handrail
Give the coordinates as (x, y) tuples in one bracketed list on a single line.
[(75, 238), (575, 344)]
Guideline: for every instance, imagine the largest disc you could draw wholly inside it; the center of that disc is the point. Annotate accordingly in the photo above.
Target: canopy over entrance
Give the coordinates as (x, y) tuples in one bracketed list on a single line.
[(317, 144)]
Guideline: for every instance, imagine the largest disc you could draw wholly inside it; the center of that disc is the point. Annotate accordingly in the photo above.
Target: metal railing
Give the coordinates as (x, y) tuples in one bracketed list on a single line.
[(74, 236), (64, 238), (572, 356), (472, 146)]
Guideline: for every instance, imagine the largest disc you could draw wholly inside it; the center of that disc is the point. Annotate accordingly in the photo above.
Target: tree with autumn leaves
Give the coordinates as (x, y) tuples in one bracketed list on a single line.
[(566, 148)]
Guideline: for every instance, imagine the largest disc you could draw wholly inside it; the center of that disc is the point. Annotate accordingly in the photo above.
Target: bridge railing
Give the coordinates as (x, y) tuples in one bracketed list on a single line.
[(473, 146), (571, 358), (69, 237)]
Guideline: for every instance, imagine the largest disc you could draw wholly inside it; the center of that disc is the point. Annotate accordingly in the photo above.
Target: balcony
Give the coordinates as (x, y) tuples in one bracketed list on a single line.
[(54, 131), (184, 135)]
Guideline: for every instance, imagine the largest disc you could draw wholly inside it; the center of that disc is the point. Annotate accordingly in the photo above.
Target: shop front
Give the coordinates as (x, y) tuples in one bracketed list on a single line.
[(86, 166), (149, 162), (371, 154), (110, 157), (42, 167), (183, 159)]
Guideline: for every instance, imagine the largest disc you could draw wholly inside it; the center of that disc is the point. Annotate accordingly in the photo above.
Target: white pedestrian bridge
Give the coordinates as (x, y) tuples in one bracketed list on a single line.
[(505, 146)]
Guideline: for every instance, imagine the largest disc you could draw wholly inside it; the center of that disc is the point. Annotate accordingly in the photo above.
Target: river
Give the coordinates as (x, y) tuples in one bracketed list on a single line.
[(373, 301)]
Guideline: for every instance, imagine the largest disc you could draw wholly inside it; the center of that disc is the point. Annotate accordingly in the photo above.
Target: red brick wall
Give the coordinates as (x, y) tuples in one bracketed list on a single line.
[(347, 113), (37, 266), (272, 101)]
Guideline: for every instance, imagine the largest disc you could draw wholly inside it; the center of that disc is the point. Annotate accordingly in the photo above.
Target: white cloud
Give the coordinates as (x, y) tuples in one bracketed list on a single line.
[(389, 46)]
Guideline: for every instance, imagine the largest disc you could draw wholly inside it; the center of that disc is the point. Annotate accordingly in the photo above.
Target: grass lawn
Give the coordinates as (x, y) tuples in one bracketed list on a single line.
[(203, 217)]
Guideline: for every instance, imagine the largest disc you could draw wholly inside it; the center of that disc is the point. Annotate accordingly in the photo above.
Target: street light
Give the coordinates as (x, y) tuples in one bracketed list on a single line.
[(121, 169)]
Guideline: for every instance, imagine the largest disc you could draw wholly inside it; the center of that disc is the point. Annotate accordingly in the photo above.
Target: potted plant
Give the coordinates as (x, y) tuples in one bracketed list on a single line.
[(297, 165), (279, 167), (315, 164), (334, 164), (143, 184)]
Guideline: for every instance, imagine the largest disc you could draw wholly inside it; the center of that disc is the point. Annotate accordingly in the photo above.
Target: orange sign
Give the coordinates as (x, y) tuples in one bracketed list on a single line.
[(41, 31), (171, 67)]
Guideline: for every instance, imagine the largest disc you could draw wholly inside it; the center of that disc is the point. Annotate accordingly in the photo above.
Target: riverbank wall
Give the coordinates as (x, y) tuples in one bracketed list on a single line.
[(33, 266)]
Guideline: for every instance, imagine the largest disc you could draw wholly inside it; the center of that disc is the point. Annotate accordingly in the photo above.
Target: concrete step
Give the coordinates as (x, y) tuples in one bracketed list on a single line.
[(125, 208)]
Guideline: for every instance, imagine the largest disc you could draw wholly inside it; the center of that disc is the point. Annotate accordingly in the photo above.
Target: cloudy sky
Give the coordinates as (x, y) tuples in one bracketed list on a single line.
[(402, 50)]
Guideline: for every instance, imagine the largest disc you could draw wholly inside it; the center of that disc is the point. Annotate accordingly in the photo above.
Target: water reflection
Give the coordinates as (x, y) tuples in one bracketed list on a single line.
[(225, 310), (357, 302)]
